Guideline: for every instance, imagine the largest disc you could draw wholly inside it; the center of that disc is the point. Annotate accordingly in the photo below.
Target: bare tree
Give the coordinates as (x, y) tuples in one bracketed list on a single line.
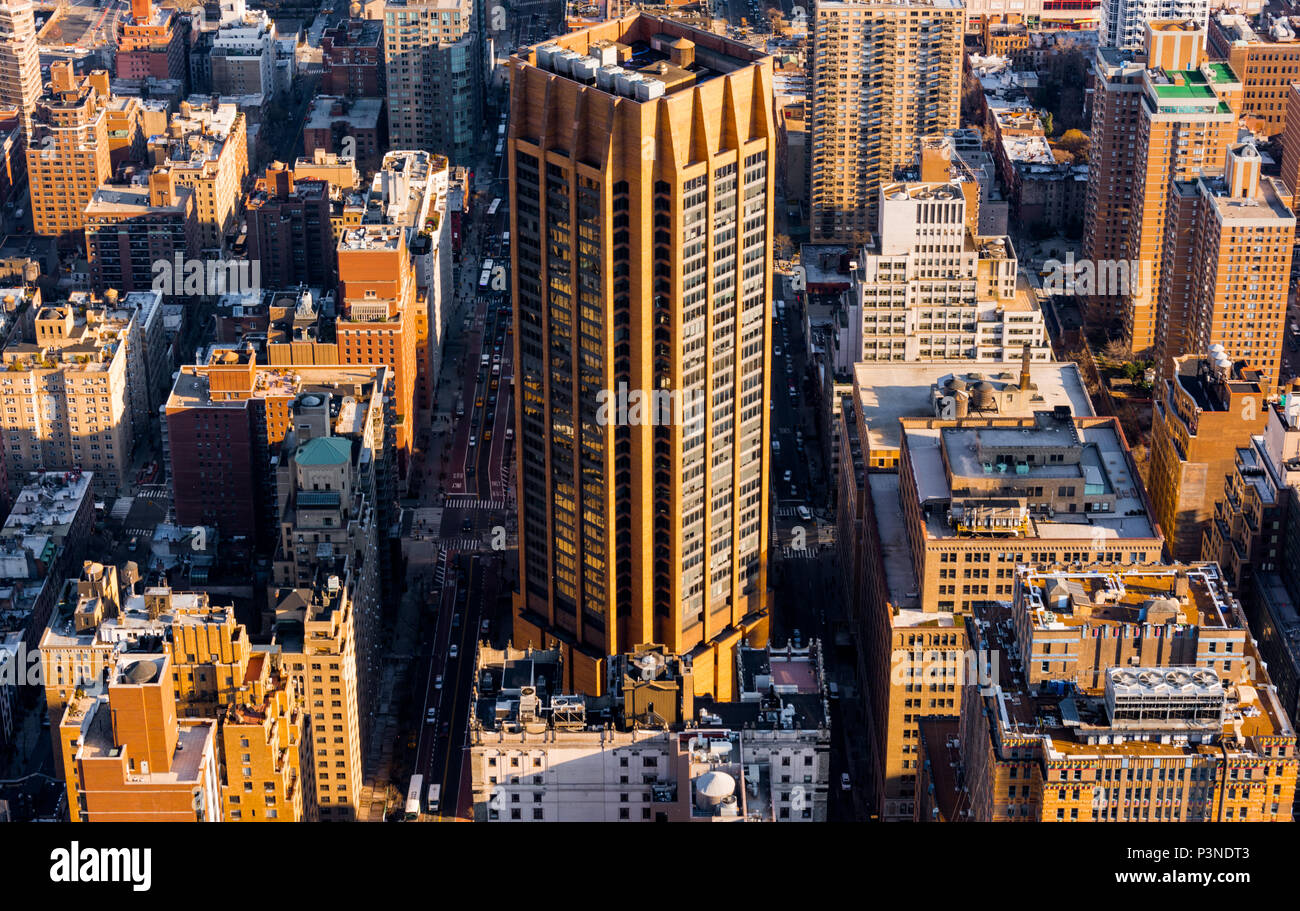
[(1117, 350)]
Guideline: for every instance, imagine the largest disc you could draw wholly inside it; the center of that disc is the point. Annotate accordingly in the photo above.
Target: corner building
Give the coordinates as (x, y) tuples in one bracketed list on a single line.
[(641, 192)]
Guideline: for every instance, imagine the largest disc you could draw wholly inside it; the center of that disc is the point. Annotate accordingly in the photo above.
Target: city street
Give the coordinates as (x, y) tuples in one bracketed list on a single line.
[(471, 591), (459, 527)]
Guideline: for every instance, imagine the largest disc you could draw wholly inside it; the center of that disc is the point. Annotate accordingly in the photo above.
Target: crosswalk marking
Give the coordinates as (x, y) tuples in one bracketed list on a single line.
[(465, 544), (470, 502), (790, 553)]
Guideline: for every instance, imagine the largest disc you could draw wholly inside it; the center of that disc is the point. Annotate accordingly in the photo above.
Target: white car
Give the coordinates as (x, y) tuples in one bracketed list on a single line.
[(788, 475), (431, 716), (437, 682), (453, 652), (845, 784), (776, 352), (804, 512), (473, 441)]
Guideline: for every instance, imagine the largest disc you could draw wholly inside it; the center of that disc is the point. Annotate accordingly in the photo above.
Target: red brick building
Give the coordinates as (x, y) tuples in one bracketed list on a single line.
[(332, 121), (152, 44), (289, 230), (352, 55)]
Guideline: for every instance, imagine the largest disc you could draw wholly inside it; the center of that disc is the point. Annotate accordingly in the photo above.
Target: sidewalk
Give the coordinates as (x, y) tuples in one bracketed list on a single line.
[(30, 746)]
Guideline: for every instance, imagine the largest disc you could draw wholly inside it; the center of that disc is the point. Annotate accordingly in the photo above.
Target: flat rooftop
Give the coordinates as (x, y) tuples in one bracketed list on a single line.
[(1266, 205), (130, 199), (371, 237), (192, 388), (191, 747), (941, 746), (327, 110), (891, 532), (1191, 90), (1103, 461), (1189, 596), (50, 502), (889, 392), (827, 264), (1028, 150), (639, 56), (1067, 718)]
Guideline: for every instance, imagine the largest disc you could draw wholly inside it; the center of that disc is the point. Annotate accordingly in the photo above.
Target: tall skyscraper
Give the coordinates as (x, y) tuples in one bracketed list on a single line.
[(1231, 269), (1179, 114), (1123, 22), (20, 62), (67, 153), (1186, 122), (1108, 209), (377, 320), (884, 74), (433, 62), (641, 191), (929, 287)]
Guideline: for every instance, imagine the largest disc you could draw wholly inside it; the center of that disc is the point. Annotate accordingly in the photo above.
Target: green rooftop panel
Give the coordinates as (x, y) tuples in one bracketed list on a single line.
[(325, 451), (1200, 92), (1221, 72)]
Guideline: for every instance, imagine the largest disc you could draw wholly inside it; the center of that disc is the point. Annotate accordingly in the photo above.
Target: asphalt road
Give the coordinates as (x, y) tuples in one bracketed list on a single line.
[(791, 426), (469, 597), (480, 451)]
